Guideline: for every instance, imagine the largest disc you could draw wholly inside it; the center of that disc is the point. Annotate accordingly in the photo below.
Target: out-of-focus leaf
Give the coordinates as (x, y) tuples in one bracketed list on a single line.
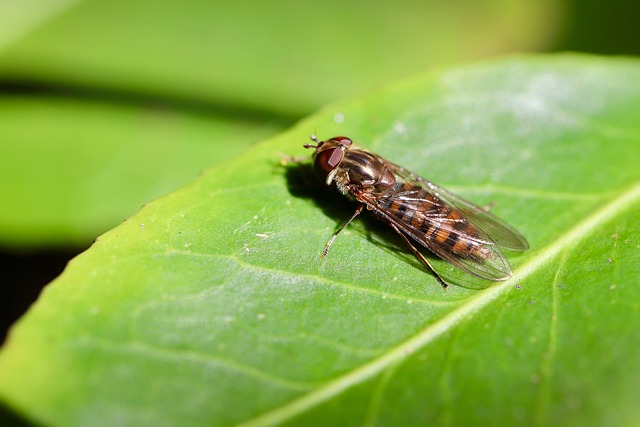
[(240, 64), (277, 56), (71, 169)]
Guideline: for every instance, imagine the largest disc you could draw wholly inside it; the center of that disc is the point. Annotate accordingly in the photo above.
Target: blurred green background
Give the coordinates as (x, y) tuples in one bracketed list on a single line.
[(106, 104)]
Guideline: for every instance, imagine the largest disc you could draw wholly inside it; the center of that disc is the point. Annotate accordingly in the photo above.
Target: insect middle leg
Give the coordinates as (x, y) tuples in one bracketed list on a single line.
[(342, 227), (419, 255)]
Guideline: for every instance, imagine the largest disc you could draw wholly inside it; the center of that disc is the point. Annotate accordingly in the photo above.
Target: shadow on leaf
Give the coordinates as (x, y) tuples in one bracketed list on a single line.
[(302, 183)]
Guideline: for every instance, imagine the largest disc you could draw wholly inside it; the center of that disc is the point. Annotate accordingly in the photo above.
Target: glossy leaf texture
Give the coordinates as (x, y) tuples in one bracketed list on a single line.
[(211, 306)]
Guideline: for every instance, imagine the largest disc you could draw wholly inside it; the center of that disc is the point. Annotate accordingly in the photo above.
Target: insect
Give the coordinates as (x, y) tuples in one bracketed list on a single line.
[(463, 234)]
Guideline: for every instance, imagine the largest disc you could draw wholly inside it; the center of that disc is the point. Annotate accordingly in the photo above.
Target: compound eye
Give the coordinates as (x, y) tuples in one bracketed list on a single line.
[(342, 140), (326, 161)]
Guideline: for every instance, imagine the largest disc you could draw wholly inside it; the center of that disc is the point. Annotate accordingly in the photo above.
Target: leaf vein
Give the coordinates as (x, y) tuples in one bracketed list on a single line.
[(316, 278), (195, 357), (545, 368), (431, 332)]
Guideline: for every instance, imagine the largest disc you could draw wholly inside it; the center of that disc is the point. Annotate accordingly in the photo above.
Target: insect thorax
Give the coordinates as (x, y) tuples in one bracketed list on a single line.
[(362, 170)]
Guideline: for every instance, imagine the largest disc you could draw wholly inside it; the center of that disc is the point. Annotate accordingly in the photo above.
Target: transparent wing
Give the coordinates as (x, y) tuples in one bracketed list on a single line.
[(491, 265), (454, 229), (494, 231)]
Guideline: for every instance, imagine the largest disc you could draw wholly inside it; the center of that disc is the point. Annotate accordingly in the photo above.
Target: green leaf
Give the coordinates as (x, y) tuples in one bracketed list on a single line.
[(139, 98), (76, 167), (278, 56), (211, 305)]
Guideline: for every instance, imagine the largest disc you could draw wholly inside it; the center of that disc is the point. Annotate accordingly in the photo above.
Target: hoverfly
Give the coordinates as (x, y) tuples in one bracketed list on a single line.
[(461, 233)]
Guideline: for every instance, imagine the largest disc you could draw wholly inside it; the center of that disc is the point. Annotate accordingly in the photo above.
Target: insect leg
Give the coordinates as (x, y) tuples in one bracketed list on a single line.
[(342, 227), (418, 255)]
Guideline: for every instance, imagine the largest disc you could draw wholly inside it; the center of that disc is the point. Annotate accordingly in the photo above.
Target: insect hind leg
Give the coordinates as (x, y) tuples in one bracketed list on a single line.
[(419, 255), (342, 227)]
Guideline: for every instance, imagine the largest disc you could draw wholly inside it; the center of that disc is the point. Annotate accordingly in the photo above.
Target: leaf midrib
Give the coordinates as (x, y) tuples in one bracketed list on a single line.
[(396, 354)]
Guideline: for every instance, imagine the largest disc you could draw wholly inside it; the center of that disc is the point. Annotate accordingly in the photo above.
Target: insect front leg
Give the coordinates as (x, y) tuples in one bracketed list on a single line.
[(419, 255), (342, 227)]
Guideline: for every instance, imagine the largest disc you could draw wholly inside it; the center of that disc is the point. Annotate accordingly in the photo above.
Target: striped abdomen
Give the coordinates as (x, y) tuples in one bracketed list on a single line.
[(432, 219)]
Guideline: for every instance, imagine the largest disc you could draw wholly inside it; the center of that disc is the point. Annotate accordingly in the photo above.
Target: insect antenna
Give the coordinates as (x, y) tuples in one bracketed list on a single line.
[(314, 138)]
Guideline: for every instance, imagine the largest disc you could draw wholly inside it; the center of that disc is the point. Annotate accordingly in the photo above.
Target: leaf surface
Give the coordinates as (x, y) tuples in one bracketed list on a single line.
[(106, 105), (211, 305)]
